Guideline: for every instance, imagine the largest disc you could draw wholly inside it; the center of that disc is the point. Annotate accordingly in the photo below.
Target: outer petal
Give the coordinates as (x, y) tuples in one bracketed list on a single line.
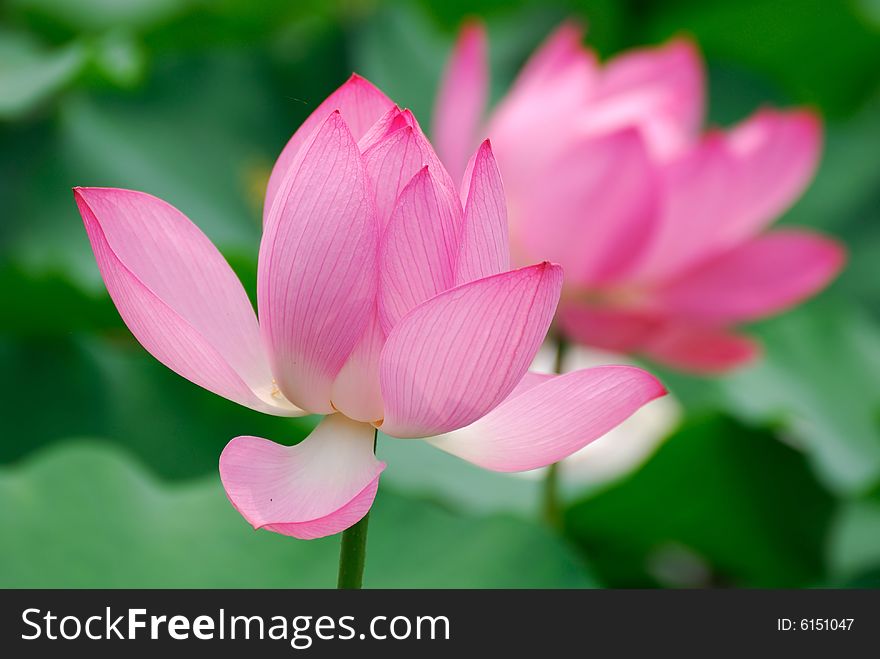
[(456, 356), (361, 105), (698, 196), (763, 276), (659, 90), (317, 271), (593, 211), (178, 296), (485, 246), (319, 487), (776, 154), (553, 89), (561, 59), (708, 350), (552, 420), (609, 328), (462, 99), (419, 248)]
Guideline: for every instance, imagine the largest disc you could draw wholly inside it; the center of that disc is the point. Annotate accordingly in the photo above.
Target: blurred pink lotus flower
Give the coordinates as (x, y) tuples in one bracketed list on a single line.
[(660, 227), (382, 304)]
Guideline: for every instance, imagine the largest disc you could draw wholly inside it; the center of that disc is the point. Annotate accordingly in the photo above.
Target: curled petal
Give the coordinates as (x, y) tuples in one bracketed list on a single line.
[(319, 487), (762, 276), (317, 278), (485, 247), (553, 418), (462, 99), (419, 248), (361, 105), (456, 356), (178, 296)]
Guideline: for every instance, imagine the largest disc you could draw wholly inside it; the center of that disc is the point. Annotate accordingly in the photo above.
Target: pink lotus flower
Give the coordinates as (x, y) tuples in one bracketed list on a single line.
[(382, 304), (660, 228)]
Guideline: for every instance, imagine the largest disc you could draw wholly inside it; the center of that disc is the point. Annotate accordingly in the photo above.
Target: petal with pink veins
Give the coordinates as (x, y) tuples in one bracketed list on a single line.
[(760, 277), (317, 277), (385, 126), (485, 246), (461, 99), (419, 249), (356, 391), (319, 487), (391, 163), (552, 419), (178, 296), (458, 355), (361, 105)]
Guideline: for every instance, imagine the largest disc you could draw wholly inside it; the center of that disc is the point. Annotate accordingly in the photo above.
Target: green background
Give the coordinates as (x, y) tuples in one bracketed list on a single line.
[(108, 462)]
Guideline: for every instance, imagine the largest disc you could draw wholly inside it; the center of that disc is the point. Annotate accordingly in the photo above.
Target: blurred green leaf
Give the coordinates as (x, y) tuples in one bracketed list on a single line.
[(30, 74), (404, 52), (102, 14), (719, 504), (184, 138), (854, 551), (85, 516), (417, 468), (111, 387), (820, 381), (820, 52)]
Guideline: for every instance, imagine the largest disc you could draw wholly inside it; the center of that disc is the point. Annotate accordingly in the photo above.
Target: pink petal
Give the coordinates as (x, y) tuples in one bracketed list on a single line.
[(356, 391), (317, 271), (461, 99), (178, 296), (659, 90), (705, 350), (608, 328), (561, 58), (388, 124), (485, 248), (552, 420), (419, 248), (537, 118), (391, 164), (777, 153), (319, 487), (698, 194), (761, 277), (594, 211), (456, 356), (361, 105)]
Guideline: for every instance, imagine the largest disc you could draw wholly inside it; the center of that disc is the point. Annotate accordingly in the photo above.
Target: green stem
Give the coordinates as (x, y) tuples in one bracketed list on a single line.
[(353, 551), (551, 507)]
